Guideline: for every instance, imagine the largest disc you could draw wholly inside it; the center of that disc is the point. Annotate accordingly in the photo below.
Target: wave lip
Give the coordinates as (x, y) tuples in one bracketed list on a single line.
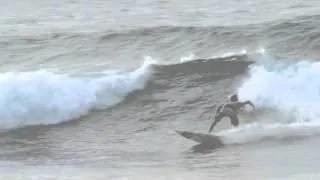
[(35, 98)]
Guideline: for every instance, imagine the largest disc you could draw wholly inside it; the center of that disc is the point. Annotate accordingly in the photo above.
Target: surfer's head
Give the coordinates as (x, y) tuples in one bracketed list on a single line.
[(234, 98)]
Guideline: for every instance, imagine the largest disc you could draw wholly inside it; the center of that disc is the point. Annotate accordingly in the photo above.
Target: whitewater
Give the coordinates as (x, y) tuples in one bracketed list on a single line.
[(286, 92), (43, 98)]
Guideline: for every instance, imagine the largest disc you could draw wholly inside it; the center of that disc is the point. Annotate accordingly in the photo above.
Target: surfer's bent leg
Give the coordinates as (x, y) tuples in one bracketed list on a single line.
[(219, 109), (217, 119), (234, 120)]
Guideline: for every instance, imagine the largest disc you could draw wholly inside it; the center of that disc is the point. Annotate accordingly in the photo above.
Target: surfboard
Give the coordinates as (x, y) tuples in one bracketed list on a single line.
[(201, 138)]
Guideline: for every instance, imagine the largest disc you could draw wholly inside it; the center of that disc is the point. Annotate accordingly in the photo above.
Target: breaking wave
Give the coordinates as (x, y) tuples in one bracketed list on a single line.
[(41, 97), (291, 89)]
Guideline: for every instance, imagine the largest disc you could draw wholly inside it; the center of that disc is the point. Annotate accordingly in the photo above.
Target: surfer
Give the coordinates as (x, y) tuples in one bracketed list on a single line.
[(231, 110)]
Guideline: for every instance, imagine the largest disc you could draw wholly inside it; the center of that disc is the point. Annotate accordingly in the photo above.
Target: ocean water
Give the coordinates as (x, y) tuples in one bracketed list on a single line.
[(93, 90)]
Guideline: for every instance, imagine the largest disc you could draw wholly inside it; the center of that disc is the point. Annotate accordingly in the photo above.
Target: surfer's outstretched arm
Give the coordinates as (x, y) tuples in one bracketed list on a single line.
[(250, 103)]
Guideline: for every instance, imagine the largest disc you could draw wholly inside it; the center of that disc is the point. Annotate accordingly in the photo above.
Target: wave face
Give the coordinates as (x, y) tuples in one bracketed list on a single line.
[(285, 92), (35, 98)]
